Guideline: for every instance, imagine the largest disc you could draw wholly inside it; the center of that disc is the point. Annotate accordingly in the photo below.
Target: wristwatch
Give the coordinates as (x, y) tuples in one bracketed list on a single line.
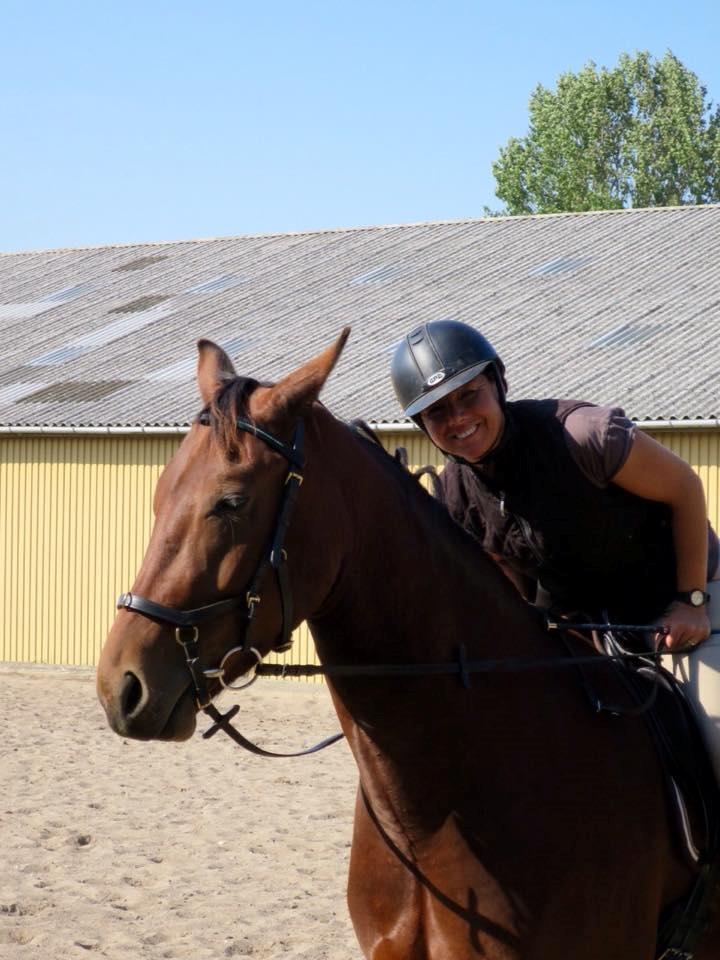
[(696, 598)]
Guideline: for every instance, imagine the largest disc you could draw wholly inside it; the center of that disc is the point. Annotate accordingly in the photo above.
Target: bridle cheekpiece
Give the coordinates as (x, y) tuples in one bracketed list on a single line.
[(186, 622)]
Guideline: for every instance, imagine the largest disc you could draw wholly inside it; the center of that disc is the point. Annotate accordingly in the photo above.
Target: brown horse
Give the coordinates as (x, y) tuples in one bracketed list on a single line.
[(500, 819)]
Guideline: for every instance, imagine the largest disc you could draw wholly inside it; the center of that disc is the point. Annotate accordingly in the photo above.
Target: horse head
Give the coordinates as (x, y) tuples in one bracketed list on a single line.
[(213, 591)]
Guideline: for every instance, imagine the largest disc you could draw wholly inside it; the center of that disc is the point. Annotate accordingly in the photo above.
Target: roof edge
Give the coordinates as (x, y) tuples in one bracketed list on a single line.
[(356, 229), (380, 426), (52, 431), (712, 423)]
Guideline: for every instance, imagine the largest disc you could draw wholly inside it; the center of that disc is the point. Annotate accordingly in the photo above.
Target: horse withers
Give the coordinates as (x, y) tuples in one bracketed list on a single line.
[(498, 818)]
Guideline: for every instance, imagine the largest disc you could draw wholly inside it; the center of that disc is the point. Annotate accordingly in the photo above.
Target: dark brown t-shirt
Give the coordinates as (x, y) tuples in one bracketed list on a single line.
[(599, 440)]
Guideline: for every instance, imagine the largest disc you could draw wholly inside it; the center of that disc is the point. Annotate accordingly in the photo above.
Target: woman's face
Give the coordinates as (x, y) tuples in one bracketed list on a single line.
[(467, 422)]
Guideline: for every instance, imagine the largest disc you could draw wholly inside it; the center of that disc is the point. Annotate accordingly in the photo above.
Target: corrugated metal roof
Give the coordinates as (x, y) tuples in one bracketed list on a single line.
[(614, 307)]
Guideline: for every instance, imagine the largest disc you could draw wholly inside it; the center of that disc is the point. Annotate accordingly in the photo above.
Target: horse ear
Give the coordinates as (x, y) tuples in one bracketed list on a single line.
[(213, 369), (299, 389)]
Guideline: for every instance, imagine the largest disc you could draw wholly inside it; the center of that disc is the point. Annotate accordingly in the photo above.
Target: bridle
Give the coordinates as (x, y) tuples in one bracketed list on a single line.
[(275, 558), (187, 622)]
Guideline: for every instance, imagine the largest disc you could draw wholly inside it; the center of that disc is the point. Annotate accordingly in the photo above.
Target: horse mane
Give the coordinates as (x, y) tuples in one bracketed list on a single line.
[(417, 498), (230, 404)]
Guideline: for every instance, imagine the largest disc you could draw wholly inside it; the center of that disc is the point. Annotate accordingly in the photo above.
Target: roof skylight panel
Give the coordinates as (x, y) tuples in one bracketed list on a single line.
[(626, 335), (33, 308), (24, 311), (181, 371), (560, 265), (124, 325), (67, 294), (390, 271), (184, 370), (223, 282), (234, 346), (128, 323), (18, 391), (59, 355)]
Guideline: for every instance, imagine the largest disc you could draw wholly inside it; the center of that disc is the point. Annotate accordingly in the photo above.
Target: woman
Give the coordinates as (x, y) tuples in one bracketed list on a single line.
[(564, 494)]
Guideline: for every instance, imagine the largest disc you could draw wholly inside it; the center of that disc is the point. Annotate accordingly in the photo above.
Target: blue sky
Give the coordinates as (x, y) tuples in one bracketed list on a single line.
[(161, 120)]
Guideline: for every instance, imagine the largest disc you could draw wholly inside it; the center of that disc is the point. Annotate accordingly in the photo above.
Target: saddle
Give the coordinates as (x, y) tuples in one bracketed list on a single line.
[(692, 791)]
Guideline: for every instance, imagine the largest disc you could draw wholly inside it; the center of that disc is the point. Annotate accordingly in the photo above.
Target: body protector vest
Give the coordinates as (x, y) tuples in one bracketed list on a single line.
[(592, 549)]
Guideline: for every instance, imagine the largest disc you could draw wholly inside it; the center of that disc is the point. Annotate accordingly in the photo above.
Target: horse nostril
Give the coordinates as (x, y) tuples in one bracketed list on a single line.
[(130, 694)]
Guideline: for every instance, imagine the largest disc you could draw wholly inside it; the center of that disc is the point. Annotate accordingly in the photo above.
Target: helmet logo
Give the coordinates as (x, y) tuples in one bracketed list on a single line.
[(435, 378)]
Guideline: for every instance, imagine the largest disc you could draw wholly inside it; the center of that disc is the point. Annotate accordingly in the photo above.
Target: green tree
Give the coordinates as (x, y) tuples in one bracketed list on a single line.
[(642, 134)]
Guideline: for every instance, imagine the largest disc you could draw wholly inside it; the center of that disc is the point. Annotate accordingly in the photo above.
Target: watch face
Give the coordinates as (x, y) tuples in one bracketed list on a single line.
[(697, 598)]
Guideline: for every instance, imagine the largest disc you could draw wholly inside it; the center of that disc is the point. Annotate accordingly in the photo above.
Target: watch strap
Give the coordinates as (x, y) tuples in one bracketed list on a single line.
[(690, 597)]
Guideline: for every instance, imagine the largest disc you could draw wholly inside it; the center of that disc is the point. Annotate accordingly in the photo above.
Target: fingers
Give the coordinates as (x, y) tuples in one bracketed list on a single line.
[(685, 627), (678, 641)]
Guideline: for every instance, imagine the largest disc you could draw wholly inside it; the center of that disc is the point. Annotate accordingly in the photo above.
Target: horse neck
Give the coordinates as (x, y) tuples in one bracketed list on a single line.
[(412, 583), (413, 587)]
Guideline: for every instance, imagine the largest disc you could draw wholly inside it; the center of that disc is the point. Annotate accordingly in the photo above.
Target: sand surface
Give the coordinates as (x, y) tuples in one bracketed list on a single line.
[(118, 849)]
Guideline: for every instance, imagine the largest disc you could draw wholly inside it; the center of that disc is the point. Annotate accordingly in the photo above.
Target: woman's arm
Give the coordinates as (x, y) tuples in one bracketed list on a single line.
[(655, 473)]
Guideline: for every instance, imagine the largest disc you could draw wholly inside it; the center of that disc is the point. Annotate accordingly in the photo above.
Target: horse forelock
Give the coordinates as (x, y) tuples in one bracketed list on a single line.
[(230, 404)]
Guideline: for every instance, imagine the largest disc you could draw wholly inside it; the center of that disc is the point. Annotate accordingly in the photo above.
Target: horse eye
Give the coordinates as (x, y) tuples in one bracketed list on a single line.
[(230, 504)]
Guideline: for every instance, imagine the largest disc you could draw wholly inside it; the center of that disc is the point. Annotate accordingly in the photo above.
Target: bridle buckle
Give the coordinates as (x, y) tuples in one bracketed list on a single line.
[(252, 599), (185, 643)]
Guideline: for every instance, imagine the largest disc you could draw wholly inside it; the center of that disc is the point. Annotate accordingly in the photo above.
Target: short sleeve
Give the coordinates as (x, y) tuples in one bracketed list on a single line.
[(599, 440)]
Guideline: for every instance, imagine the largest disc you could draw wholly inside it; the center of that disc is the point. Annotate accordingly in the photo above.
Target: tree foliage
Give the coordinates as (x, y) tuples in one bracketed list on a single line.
[(642, 134)]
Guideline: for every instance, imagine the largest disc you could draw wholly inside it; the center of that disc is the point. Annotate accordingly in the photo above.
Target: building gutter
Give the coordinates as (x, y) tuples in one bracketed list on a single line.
[(91, 431), (713, 424), (679, 424), (404, 427)]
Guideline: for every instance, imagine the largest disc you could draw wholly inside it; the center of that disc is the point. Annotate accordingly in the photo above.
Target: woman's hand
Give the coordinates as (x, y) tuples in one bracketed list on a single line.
[(685, 627)]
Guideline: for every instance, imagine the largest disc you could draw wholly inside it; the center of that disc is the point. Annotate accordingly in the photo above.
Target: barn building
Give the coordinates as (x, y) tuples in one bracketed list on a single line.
[(97, 376)]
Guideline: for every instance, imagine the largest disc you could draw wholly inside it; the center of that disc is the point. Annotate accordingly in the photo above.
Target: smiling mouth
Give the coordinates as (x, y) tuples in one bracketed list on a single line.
[(466, 433)]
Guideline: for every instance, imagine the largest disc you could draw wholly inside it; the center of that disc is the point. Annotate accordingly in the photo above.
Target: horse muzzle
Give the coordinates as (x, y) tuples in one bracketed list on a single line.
[(144, 697)]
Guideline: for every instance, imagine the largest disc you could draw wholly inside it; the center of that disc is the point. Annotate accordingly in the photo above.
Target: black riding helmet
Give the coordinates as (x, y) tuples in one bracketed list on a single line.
[(437, 358)]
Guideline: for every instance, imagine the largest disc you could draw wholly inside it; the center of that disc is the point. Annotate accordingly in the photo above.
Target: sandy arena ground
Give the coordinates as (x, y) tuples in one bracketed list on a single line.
[(141, 851)]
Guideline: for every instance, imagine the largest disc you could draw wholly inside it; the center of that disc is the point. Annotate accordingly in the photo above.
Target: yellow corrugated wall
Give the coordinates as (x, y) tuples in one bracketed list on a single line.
[(76, 512), (701, 449)]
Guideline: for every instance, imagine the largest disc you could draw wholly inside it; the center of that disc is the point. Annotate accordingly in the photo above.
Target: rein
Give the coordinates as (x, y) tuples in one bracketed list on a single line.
[(187, 634), (461, 667)]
